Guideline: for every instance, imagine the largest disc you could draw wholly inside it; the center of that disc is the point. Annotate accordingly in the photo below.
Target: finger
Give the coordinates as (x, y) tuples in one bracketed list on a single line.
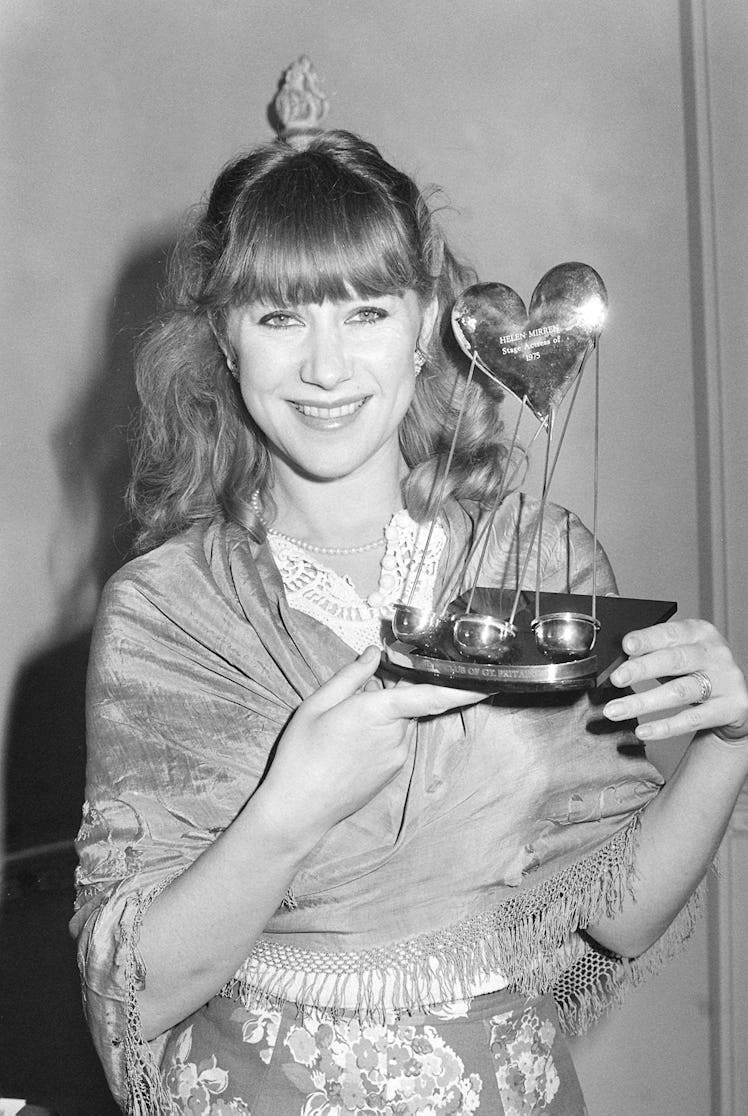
[(693, 719), (682, 659), (425, 700), (659, 636), (345, 683), (674, 694)]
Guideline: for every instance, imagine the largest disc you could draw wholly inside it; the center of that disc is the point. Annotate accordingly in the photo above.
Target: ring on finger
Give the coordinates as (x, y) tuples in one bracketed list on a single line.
[(705, 687)]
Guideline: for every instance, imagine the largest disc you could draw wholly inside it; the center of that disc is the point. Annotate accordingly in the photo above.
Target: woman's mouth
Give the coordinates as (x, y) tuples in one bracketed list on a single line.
[(332, 416)]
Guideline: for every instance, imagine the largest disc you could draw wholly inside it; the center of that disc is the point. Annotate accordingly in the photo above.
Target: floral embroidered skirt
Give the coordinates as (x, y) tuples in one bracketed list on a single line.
[(498, 1053)]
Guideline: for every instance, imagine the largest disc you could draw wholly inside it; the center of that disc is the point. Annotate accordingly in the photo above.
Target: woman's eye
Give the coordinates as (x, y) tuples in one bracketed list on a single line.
[(369, 314), (278, 319)]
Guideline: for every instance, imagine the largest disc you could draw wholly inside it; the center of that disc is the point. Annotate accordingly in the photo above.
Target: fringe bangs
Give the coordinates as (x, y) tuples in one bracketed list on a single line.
[(318, 234)]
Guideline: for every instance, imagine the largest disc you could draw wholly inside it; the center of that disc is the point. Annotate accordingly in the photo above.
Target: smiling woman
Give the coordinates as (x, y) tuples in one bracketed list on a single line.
[(321, 262), (328, 385), (303, 888)]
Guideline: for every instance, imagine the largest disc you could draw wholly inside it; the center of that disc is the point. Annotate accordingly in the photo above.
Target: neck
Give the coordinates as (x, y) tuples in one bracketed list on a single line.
[(342, 512)]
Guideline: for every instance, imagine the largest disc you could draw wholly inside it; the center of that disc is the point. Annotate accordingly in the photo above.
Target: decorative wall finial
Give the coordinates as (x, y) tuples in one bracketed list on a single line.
[(300, 105)]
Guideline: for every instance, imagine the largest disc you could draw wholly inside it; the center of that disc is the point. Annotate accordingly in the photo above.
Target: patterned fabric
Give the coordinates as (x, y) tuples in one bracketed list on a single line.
[(499, 1054), (511, 825), (407, 573)]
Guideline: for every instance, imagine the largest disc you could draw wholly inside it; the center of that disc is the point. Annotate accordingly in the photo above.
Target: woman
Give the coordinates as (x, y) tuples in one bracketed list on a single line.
[(303, 890)]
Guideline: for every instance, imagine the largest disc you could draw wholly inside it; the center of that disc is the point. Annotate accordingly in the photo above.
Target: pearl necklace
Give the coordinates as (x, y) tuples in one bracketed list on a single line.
[(314, 549)]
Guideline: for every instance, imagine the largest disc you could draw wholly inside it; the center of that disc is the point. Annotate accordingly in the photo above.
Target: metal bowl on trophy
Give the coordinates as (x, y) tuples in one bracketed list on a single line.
[(524, 640), (416, 626)]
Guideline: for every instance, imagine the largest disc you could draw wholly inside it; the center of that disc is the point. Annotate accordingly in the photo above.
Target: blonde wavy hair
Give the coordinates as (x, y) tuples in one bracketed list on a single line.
[(297, 222)]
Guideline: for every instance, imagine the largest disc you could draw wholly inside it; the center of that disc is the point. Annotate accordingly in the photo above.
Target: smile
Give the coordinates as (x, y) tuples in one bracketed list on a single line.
[(342, 410)]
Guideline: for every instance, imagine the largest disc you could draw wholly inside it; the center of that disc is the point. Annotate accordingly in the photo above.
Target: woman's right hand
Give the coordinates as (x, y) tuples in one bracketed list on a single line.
[(341, 746), (345, 743)]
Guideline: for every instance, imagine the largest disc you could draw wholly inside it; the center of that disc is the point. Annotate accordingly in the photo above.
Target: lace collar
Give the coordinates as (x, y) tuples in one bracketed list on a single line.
[(332, 599)]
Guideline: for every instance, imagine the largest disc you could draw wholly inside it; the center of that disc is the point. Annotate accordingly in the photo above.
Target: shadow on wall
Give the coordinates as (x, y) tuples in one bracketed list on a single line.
[(47, 1056)]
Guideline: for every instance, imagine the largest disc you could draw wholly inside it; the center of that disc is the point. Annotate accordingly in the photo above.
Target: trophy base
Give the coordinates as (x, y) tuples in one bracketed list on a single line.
[(523, 667)]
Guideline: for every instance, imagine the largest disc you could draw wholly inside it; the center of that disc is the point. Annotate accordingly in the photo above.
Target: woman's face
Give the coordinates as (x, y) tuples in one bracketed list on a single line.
[(329, 383)]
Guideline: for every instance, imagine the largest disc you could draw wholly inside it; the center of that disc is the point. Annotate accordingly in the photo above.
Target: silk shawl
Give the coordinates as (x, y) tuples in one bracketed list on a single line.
[(511, 826)]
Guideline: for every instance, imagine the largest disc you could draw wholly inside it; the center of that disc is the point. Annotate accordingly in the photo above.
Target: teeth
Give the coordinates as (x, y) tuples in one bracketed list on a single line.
[(329, 412)]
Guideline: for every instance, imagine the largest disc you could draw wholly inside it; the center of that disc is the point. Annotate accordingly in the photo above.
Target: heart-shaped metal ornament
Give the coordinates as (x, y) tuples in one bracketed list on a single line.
[(535, 354)]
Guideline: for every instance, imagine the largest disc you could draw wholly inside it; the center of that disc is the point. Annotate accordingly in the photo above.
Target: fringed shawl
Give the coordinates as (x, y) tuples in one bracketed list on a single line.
[(510, 828)]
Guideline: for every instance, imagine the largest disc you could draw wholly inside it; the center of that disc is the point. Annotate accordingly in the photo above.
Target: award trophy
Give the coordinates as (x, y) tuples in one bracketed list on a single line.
[(518, 640)]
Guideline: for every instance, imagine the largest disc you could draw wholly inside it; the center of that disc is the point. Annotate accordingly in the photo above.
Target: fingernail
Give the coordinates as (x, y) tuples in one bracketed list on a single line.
[(645, 732), (631, 644), (615, 711), (621, 676)]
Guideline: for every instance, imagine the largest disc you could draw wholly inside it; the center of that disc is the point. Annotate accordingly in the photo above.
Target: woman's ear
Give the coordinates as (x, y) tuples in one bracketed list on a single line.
[(225, 346)]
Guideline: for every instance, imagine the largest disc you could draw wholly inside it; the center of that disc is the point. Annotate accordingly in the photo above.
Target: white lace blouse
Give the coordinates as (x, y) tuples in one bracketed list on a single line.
[(332, 599)]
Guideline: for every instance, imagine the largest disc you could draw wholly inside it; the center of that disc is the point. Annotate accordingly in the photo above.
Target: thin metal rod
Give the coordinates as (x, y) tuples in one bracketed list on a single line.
[(506, 480), (596, 486), (543, 499), (531, 543), (443, 486), (480, 537)]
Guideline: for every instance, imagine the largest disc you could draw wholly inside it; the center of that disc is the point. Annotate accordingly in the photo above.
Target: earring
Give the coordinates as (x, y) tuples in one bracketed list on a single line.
[(418, 361), (231, 365)]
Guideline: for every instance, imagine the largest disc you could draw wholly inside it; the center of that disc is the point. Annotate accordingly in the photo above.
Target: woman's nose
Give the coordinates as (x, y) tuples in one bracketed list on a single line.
[(325, 363)]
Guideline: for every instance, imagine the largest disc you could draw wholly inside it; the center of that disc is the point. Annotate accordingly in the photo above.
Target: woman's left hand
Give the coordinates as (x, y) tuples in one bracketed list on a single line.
[(700, 673)]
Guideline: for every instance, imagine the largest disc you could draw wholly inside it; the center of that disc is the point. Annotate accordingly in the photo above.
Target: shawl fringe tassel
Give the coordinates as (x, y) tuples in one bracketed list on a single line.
[(146, 1093), (530, 938)]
